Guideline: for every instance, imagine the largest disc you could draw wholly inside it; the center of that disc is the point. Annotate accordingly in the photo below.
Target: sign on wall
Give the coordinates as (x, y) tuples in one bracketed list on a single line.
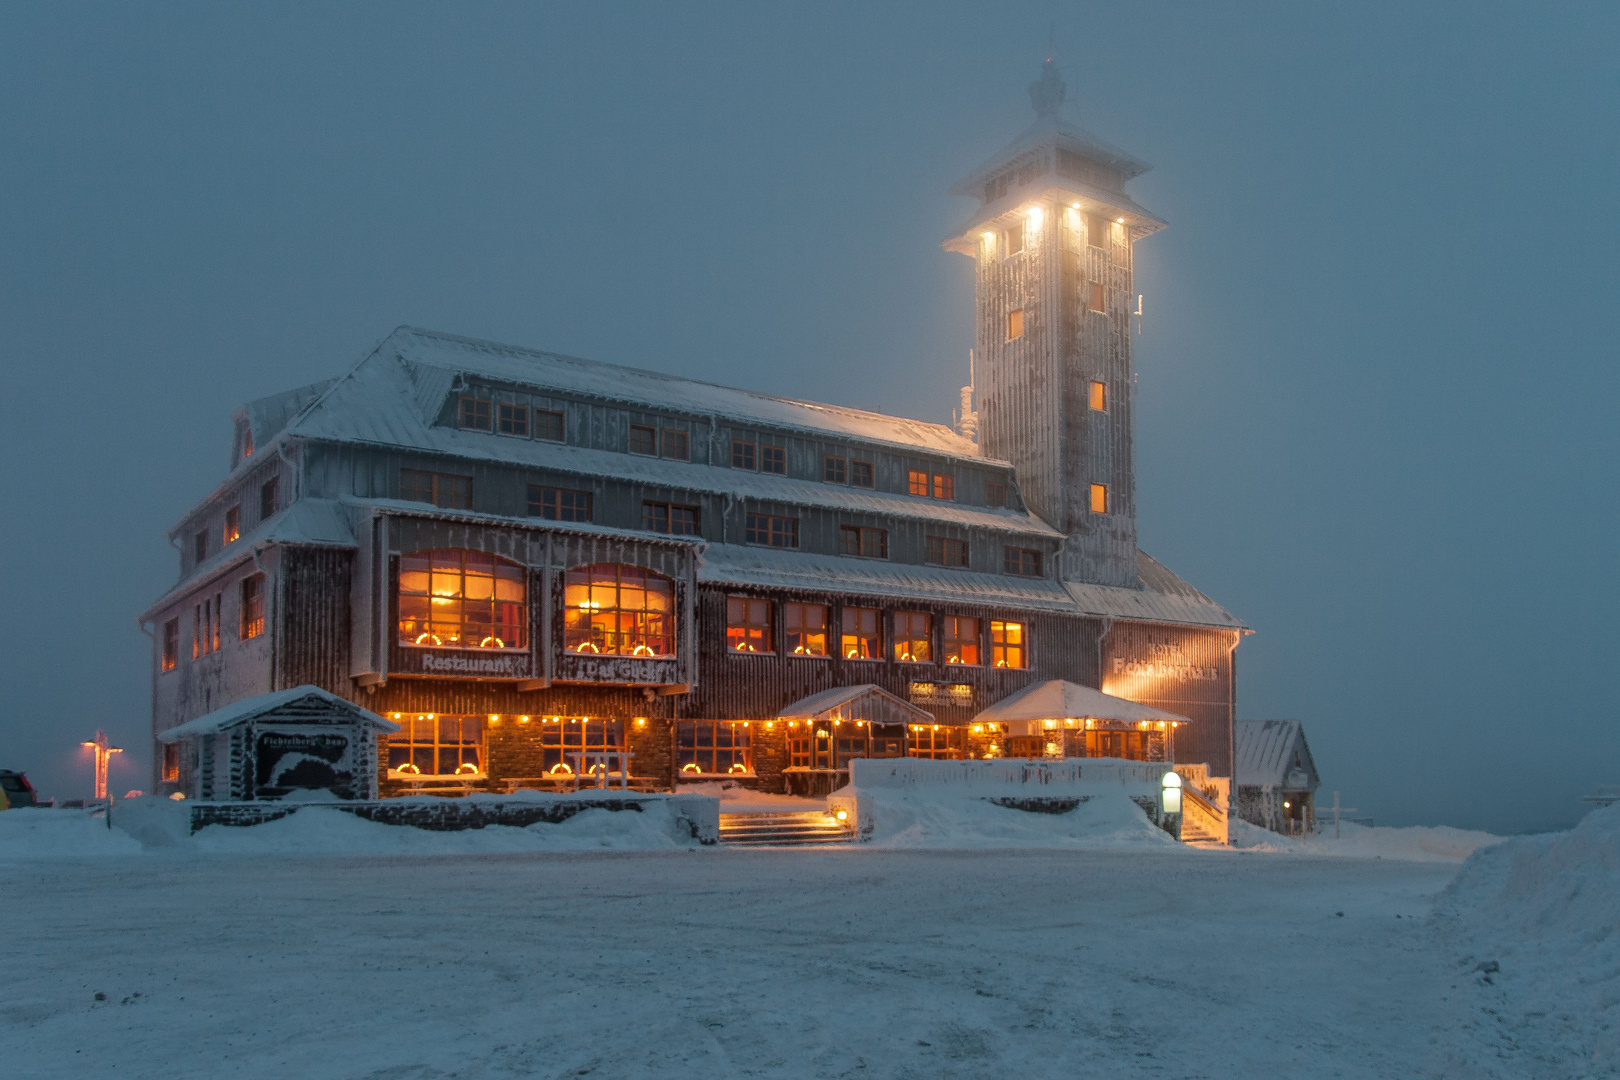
[(298, 758), (934, 693)]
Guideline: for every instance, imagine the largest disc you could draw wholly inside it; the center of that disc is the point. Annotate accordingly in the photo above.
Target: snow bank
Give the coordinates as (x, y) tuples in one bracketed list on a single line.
[(1418, 843), (924, 818), (39, 833), (736, 799)]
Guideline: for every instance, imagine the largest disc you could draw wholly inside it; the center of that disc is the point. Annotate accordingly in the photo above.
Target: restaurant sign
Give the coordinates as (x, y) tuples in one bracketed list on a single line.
[(935, 693)]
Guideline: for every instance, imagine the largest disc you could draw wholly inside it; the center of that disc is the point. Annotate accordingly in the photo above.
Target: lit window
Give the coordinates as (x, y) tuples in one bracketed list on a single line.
[(1012, 239), (668, 518), (247, 440), (233, 524), (913, 636), (1015, 324), (205, 626), (713, 748), (559, 504), (171, 762), (748, 625), (1021, 561), (561, 737), (1008, 645), (1099, 396), (782, 532), (455, 599), (442, 490), (773, 459), (269, 498), (252, 620), (474, 412), (616, 610), (512, 419), (834, 470), (860, 473), (917, 482), (742, 454), (433, 745), (944, 486), (675, 444), (961, 640), (867, 543), (1099, 498), (860, 639), (548, 425), (171, 645), (1094, 297), (943, 551), (805, 629), (934, 741), (199, 545), (995, 493), (643, 440)]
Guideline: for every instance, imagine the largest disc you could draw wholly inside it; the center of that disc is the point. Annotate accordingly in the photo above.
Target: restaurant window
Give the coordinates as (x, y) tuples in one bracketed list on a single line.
[(860, 474), (913, 637), (943, 551), (512, 419), (782, 532), (559, 504), (935, 741), (1009, 645), (917, 482), (561, 737), (944, 486), (867, 543), (269, 501), (669, 518), (714, 747), (455, 599), (252, 616), (475, 412), (1025, 562), (441, 489), (616, 610), (773, 459), (675, 444), (171, 645), (548, 425), (748, 625), (233, 525), (861, 639), (742, 454), (1015, 324), (1094, 297), (805, 629), (199, 545), (643, 440), (1099, 498), (428, 744), (995, 493), (171, 762), (961, 640), (834, 470), (801, 747), (1098, 398)]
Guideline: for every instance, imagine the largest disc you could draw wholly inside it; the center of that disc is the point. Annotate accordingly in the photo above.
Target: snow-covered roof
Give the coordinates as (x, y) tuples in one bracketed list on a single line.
[(1273, 753), (301, 703), (1163, 597), (267, 416), (1058, 699), (864, 701)]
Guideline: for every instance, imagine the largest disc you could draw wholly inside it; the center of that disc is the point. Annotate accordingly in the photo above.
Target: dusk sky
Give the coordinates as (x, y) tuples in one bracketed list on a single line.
[(1377, 374)]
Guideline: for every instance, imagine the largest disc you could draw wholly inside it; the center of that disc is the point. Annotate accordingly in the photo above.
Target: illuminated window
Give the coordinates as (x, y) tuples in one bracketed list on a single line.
[(1094, 297), (943, 551), (805, 629), (171, 762), (433, 745), (917, 482), (269, 498), (474, 412), (455, 599), (1008, 644), (944, 486), (252, 620), (1099, 396), (1015, 324), (860, 473), (442, 490), (961, 640), (995, 493), (643, 440), (742, 454), (669, 518), (205, 626), (867, 543), (199, 545), (247, 440), (782, 532), (748, 625), (1097, 230), (714, 747), (861, 639), (934, 741), (1024, 562), (548, 425), (233, 524), (511, 419), (834, 470), (1012, 239), (615, 610), (171, 645), (563, 736), (773, 459), (913, 636), (559, 504), (674, 444), (1099, 498)]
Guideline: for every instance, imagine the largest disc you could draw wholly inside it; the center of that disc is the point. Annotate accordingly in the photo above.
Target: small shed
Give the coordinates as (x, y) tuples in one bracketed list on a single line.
[(1057, 718), (1276, 775), (288, 743)]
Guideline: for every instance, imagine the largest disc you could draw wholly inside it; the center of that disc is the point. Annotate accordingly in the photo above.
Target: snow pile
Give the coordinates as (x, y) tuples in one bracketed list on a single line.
[(1418, 843), (40, 833), (736, 799), (932, 818)]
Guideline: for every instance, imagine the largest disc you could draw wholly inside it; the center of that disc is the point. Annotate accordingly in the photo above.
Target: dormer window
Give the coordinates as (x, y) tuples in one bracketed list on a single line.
[(512, 419), (233, 525), (247, 440), (200, 545), (475, 412)]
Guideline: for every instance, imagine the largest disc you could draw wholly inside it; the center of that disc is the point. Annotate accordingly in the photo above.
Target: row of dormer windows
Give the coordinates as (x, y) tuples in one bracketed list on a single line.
[(231, 527)]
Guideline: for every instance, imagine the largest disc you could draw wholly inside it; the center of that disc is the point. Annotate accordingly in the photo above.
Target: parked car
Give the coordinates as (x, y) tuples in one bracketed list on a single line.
[(15, 790)]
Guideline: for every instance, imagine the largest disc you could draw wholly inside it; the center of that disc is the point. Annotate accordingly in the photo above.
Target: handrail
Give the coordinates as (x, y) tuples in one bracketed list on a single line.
[(1198, 797)]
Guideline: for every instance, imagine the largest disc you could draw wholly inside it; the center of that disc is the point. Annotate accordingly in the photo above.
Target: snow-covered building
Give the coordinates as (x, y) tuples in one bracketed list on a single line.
[(517, 555), (1276, 776)]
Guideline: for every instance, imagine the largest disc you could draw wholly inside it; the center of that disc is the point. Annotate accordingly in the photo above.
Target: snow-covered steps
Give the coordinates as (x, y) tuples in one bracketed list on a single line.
[(1193, 836), (784, 829)]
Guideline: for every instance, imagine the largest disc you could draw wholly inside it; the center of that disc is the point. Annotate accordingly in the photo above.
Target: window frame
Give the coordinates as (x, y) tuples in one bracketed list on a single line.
[(998, 649), (906, 642), (758, 635), (169, 654), (270, 498), (773, 459), (834, 473), (748, 452), (876, 654), (439, 491), (1015, 324), (509, 417), (950, 634), (857, 468), (232, 530), (878, 548), (995, 494), (199, 545), (943, 487), (650, 507), (504, 613), (538, 507), (637, 432), (739, 733), (1099, 499), (756, 525), (939, 550), (1098, 230), (436, 747), (1097, 396), (588, 736), (918, 483), (1096, 298), (654, 624), (1014, 560), (251, 608), (683, 436), (561, 418), (469, 406), (801, 608)]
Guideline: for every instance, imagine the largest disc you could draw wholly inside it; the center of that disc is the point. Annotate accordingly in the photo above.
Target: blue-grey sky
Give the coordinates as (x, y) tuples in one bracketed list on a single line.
[(1377, 378)]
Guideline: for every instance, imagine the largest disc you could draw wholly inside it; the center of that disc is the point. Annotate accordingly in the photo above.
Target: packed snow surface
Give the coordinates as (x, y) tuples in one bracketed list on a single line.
[(1420, 843)]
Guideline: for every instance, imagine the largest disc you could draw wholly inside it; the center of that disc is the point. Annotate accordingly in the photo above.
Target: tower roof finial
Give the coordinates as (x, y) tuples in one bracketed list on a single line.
[(1047, 92)]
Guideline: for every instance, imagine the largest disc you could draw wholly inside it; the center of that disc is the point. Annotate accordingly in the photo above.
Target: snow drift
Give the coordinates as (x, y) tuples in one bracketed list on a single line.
[(1417, 843), (923, 818)]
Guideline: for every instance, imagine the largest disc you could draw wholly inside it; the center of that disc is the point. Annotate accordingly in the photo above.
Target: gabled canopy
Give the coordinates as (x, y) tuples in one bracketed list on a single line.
[(1057, 699), (866, 702), (301, 704)]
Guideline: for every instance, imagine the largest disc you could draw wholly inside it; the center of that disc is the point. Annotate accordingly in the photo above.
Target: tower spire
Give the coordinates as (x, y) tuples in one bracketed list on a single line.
[(1046, 93)]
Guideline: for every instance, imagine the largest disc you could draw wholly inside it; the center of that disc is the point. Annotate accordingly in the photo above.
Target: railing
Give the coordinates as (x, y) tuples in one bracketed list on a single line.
[(1203, 814), (918, 772)]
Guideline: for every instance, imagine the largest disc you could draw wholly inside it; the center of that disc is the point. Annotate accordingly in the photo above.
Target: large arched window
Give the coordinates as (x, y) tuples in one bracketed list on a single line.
[(454, 599), (614, 610)]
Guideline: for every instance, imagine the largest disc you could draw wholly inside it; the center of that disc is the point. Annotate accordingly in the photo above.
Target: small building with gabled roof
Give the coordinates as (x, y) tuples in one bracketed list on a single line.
[(1276, 775)]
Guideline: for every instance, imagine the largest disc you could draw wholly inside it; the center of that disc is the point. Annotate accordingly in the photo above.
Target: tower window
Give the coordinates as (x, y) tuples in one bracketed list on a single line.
[(1097, 230), (643, 440), (1015, 324), (1099, 396), (742, 454), (1099, 498), (1094, 297), (268, 498), (1012, 239), (252, 613)]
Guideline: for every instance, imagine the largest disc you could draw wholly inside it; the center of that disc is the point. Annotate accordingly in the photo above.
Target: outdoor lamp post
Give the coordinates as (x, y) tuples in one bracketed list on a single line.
[(1171, 793), (104, 750)]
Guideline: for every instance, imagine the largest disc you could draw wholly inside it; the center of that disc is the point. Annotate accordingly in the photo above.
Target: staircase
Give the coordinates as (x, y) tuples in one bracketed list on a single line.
[(1194, 836), (783, 830)]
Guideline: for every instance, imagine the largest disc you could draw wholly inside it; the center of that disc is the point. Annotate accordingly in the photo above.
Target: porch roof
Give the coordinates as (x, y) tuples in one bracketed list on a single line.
[(306, 704), (1057, 699), (866, 702)]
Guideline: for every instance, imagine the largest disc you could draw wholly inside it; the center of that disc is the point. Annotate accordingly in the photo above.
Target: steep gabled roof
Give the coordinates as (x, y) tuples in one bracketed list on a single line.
[(1273, 753), (308, 704)]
